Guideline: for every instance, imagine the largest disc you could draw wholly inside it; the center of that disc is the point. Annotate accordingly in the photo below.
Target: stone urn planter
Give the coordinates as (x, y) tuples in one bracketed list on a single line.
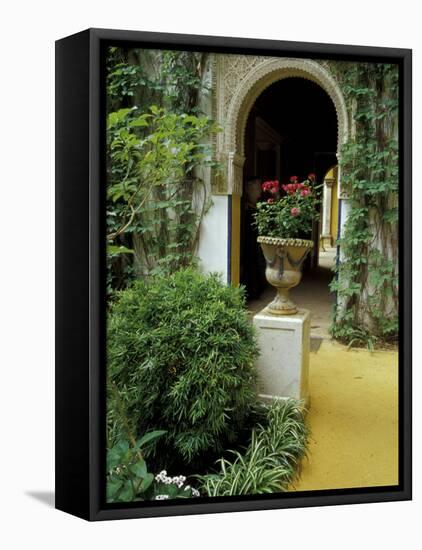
[(284, 259)]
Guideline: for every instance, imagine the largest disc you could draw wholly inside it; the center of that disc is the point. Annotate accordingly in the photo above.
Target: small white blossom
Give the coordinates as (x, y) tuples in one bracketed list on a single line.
[(162, 476), (179, 481)]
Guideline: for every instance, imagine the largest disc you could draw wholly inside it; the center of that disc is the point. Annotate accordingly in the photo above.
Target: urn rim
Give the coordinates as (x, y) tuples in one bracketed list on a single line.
[(281, 241)]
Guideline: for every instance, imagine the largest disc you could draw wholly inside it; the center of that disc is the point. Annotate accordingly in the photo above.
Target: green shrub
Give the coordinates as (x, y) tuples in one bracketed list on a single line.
[(270, 462), (180, 354)]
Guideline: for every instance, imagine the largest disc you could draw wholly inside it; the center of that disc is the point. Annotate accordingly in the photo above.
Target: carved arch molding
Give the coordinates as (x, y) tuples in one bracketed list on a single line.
[(238, 80)]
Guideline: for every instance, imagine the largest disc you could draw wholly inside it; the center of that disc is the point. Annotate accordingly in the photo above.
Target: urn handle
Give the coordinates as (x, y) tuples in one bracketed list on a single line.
[(297, 263)]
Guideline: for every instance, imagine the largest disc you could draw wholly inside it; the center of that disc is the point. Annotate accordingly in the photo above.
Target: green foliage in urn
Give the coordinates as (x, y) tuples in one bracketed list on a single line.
[(180, 354), (290, 211), (367, 274), (270, 462)]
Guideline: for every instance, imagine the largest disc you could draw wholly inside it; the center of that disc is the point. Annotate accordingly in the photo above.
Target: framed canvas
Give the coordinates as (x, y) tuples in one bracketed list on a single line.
[(233, 274)]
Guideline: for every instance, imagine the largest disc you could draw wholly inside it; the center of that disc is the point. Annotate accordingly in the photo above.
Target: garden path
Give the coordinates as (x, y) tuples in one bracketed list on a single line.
[(353, 419)]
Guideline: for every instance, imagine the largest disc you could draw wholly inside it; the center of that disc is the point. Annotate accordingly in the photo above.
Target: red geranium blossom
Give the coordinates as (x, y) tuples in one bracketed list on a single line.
[(289, 213), (291, 188), (271, 187)]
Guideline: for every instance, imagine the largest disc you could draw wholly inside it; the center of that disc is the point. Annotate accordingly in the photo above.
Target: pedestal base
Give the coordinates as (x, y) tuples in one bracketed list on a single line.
[(283, 364), (281, 305)]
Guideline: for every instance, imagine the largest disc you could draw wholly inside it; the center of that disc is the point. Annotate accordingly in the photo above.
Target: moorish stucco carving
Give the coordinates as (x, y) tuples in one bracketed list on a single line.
[(237, 82)]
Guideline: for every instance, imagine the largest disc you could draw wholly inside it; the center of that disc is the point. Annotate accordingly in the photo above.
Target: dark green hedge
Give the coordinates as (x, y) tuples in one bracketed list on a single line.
[(180, 355)]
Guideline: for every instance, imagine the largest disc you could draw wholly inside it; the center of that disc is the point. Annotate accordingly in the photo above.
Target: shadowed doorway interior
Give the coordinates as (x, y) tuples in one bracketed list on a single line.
[(291, 130)]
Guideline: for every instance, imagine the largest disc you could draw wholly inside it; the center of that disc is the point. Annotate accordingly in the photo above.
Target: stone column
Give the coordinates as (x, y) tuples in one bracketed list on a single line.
[(235, 164), (326, 236), (283, 364), (235, 190)]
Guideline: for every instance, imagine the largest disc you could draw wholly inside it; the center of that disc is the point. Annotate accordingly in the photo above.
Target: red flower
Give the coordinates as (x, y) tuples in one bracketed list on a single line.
[(270, 201), (305, 192), (291, 188), (293, 179), (295, 212), (312, 176), (271, 187)]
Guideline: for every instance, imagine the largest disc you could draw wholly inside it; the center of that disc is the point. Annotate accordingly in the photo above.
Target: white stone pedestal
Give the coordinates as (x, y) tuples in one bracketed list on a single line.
[(283, 365)]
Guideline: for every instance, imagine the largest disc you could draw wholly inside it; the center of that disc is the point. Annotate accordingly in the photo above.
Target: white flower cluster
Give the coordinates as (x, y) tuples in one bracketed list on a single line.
[(176, 480), (195, 492), (167, 480)]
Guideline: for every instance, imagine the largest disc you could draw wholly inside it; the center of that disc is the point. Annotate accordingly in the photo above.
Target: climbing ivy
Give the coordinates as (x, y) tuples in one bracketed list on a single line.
[(154, 155), (367, 271), (158, 146)]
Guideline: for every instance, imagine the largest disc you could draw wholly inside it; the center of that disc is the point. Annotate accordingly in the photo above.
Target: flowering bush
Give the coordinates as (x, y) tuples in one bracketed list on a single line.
[(288, 210), (172, 487)]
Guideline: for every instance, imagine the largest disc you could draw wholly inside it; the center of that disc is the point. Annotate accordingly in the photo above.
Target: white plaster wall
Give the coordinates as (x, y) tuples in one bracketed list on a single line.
[(213, 238), (213, 241)]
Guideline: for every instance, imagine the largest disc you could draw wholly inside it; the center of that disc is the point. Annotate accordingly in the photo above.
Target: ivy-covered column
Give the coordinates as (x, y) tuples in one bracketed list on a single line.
[(159, 155), (367, 273)]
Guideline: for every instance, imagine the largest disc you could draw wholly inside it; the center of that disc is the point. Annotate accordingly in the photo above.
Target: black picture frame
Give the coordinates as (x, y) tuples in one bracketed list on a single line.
[(80, 274)]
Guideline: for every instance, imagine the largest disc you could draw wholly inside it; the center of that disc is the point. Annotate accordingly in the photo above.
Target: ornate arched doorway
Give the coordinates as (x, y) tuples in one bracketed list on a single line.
[(240, 80)]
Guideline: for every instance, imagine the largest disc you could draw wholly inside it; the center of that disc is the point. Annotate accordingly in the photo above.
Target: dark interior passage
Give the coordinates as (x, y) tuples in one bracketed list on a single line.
[(291, 130)]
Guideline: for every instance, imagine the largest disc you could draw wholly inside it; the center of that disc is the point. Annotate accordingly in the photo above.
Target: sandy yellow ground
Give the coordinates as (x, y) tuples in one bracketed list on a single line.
[(353, 419)]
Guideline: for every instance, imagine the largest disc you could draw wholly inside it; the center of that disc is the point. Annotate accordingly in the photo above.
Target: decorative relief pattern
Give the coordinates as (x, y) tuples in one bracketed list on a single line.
[(237, 82), (280, 241), (234, 69), (235, 174), (265, 74)]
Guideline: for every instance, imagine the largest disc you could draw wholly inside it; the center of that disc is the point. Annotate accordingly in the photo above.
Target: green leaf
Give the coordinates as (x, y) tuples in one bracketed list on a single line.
[(139, 469), (114, 249), (146, 483), (126, 494), (150, 436), (114, 118), (121, 447), (139, 122), (113, 488), (113, 459), (155, 110), (171, 490)]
